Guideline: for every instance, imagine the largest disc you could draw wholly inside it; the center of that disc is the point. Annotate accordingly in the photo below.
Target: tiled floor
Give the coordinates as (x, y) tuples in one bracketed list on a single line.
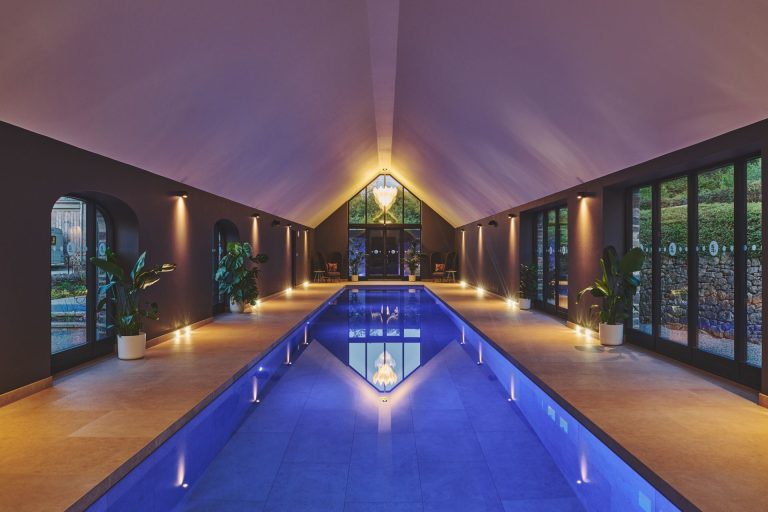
[(322, 440)]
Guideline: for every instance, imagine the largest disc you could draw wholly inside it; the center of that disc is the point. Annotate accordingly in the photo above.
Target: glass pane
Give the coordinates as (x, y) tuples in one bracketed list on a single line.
[(716, 332), (102, 241), (357, 243), (754, 263), (562, 254), (642, 236), (68, 275), (674, 260), (357, 208), (412, 208), (395, 211), (551, 290), (540, 256), (412, 238), (375, 211)]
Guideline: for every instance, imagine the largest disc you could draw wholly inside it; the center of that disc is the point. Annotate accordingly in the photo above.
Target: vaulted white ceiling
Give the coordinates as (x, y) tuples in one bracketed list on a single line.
[(291, 106)]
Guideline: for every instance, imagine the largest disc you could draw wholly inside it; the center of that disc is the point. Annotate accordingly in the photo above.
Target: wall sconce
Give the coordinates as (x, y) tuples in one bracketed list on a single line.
[(462, 230), (582, 195), (290, 226), (275, 223), (493, 223), (479, 225), (306, 230), (256, 216), (181, 193), (511, 216)]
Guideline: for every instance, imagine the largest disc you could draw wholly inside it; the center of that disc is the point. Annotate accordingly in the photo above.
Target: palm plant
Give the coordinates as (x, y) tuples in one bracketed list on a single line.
[(236, 279), (616, 286), (123, 291)]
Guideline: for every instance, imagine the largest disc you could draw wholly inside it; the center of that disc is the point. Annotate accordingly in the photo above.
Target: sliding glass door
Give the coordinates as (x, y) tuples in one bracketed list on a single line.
[(700, 294)]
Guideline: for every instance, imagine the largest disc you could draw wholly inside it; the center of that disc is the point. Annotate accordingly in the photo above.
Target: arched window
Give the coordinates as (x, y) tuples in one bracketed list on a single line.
[(224, 232), (79, 229)]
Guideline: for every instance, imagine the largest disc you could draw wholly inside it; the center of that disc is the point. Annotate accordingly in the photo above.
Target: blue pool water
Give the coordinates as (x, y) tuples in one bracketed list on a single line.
[(384, 407)]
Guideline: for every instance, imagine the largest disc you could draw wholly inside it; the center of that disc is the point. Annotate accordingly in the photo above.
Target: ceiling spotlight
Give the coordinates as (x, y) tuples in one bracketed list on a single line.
[(256, 216), (493, 223), (275, 223), (511, 216), (182, 194), (582, 195)]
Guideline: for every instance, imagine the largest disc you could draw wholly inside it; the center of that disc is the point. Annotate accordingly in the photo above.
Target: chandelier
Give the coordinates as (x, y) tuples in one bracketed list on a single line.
[(385, 196), (385, 375)]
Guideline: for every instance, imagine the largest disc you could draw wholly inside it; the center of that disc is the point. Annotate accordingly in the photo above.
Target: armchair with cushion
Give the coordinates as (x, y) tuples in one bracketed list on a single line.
[(438, 266)]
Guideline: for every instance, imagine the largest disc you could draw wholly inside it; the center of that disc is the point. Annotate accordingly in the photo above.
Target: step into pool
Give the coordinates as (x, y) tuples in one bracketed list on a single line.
[(384, 400)]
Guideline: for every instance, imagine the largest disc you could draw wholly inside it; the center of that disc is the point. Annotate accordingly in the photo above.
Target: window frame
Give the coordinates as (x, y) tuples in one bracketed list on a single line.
[(401, 227), (736, 369)]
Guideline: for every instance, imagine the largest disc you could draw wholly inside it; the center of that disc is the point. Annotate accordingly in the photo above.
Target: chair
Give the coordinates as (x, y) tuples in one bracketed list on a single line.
[(333, 267), (437, 266)]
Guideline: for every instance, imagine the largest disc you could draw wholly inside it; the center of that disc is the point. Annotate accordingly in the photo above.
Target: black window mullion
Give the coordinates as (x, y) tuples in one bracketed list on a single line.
[(740, 260), (693, 262), (656, 261)]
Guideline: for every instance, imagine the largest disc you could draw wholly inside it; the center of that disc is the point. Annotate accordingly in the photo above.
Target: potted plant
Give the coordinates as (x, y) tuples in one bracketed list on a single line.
[(527, 284), (355, 259), (412, 260), (237, 280), (122, 292), (615, 288)]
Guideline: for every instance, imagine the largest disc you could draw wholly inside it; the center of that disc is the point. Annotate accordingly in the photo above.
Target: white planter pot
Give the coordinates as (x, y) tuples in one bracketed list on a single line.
[(355, 278), (131, 347), (524, 303), (411, 278), (236, 306), (611, 334)]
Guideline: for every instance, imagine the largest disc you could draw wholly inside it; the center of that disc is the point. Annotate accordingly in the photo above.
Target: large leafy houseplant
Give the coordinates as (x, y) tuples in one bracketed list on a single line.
[(236, 276), (616, 286), (122, 291), (355, 259), (412, 259)]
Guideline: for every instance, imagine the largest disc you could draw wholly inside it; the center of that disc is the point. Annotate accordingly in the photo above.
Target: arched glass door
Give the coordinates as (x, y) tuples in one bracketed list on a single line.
[(79, 230)]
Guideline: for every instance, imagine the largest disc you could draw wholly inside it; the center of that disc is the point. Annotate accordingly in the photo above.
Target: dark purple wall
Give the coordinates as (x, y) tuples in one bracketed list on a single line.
[(37, 171)]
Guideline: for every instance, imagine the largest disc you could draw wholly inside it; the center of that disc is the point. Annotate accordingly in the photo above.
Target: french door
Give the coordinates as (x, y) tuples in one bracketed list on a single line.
[(384, 247)]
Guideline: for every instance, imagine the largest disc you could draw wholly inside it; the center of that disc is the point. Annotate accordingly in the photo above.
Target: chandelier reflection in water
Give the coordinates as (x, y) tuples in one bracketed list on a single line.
[(385, 375)]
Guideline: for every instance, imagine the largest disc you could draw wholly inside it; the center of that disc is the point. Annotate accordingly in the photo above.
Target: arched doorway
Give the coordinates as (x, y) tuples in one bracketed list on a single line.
[(224, 232)]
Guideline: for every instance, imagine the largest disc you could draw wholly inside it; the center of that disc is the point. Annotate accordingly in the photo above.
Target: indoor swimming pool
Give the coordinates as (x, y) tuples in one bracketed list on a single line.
[(384, 400)]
